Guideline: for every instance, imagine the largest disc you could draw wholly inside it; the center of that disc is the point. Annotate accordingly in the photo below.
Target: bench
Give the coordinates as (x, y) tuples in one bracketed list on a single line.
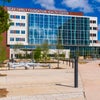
[(27, 65)]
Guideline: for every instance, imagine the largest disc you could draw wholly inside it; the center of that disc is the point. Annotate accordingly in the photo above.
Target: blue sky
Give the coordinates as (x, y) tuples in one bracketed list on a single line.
[(89, 7)]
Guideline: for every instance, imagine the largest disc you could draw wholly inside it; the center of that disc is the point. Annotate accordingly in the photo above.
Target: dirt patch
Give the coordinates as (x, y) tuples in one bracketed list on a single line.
[(58, 68), (3, 75), (3, 92)]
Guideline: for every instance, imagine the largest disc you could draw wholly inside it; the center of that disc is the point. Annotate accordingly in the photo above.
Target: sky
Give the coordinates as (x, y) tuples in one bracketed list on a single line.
[(88, 7)]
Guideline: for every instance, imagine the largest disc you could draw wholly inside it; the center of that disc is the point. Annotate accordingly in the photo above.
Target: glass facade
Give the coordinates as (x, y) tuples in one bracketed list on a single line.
[(71, 31)]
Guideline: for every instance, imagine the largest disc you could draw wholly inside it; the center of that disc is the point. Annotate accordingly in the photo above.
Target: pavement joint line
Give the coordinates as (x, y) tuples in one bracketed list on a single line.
[(46, 96)]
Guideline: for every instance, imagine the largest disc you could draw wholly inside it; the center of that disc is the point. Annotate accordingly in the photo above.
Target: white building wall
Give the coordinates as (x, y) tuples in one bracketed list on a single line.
[(93, 31), (20, 28)]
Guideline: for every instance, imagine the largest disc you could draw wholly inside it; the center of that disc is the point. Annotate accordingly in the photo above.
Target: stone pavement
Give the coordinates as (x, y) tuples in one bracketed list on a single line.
[(42, 84), (90, 76), (67, 96)]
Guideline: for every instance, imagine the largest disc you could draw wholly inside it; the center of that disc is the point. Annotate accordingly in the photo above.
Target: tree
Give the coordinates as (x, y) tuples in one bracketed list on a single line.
[(37, 54), (2, 54), (17, 47), (4, 20), (45, 50), (4, 26), (58, 47)]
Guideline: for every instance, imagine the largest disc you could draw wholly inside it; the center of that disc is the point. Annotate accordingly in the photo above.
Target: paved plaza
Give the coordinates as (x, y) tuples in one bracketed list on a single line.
[(51, 84)]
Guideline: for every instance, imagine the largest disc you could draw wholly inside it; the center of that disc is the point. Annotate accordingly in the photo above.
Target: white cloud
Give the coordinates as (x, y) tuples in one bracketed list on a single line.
[(80, 4), (47, 4), (98, 0)]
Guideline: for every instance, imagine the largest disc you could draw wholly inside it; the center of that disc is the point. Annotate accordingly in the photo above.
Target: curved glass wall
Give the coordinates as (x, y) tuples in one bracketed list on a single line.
[(69, 30)]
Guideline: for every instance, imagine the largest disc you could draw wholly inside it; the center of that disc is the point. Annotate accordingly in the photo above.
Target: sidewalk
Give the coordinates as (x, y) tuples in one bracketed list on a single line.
[(90, 75)]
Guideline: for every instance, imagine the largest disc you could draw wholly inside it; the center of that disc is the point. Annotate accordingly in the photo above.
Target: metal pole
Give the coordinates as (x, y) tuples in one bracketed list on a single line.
[(69, 62), (66, 62), (76, 73), (73, 63)]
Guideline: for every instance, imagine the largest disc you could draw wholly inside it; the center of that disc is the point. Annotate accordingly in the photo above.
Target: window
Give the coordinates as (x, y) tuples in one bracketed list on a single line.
[(90, 21), (94, 41), (20, 24), (94, 28), (17, 39), (17, 24), (17, 32), (94, 35), (22, 17), (20, 39), (94, 21), (11, 16), (90, 28), (12, 23), (22, 32), (11, 39), (15, 16), (11, 31)]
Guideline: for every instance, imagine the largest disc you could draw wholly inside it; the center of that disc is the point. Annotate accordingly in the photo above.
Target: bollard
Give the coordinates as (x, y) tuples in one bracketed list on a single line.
[(76, 73)]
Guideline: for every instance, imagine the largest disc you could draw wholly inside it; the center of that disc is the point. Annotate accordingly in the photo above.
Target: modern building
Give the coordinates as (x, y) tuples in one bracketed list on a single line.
[(31, 27)]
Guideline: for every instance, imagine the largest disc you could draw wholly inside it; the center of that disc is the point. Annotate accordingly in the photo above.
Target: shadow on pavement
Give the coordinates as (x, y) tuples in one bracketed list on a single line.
[(65, 85)]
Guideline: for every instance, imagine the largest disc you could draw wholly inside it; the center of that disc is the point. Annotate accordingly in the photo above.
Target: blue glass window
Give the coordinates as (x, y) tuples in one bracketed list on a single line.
[(70, 30), (20, 24), (17, 17), (11, 31), (22, 32), (22, 17), (17, 24), (20, 39), (17, 32), (11, 39), (11, 16)]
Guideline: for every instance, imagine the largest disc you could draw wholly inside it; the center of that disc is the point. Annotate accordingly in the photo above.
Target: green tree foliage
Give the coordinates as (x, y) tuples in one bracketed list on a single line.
[(2, 54), (16, 48), (37, 54), (4, 20), (4, 26), (45, 50), (58, 47), (2, 51)]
